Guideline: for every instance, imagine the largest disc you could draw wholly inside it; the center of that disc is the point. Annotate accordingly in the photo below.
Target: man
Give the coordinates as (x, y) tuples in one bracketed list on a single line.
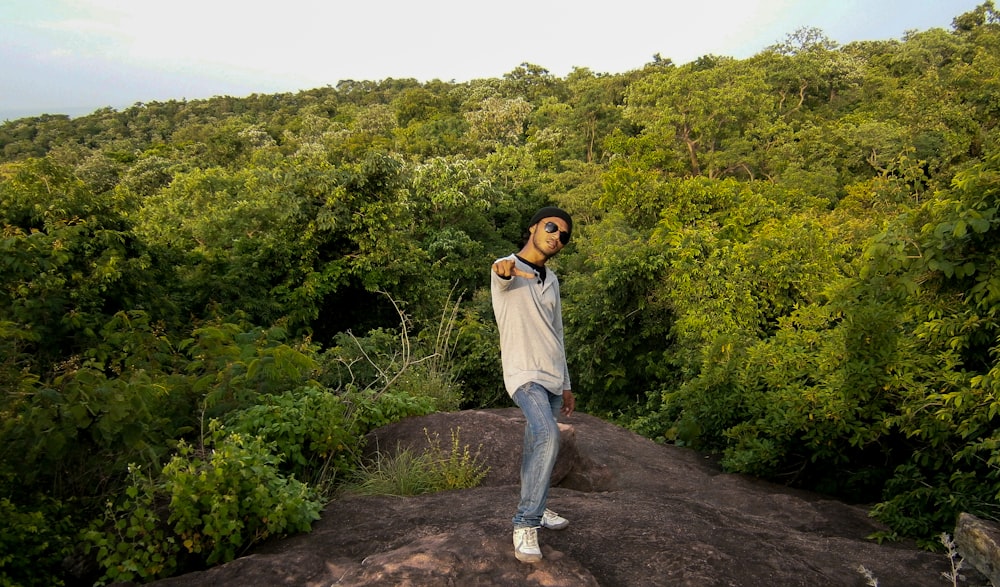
[(528, 311)]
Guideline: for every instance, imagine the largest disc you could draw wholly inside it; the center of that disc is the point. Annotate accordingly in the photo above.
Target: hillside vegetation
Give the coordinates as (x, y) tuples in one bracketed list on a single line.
[(791, 261)]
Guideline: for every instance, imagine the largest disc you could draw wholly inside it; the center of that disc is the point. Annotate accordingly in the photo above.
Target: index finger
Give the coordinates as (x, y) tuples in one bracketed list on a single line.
[(503, 267)]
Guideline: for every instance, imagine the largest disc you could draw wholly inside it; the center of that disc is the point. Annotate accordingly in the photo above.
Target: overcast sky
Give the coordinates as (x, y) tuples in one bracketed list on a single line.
[(74, 56)]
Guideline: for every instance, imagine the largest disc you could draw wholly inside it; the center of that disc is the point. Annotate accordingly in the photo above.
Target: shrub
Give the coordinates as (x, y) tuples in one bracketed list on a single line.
[(33, 541), (456, 468), (226, 499), (373, 410), (207, 506), (310, 426)]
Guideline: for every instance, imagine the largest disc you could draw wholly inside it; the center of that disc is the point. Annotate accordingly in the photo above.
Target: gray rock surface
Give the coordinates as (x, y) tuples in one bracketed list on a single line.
[(979, 544), (642, 514)]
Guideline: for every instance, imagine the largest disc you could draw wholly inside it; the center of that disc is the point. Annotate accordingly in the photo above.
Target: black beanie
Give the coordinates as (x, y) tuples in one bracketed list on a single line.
[(550, 212)]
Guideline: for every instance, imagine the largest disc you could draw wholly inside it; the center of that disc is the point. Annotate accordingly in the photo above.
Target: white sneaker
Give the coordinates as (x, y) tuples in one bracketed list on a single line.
[(526, 545), (553, 521)]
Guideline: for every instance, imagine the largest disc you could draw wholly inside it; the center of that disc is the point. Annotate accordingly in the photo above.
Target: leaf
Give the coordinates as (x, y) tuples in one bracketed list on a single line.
[(959, 230), (81, 417), (979, 225)]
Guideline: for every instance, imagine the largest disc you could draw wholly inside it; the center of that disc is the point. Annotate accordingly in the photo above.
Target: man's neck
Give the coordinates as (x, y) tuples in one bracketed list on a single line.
[(532, 255)]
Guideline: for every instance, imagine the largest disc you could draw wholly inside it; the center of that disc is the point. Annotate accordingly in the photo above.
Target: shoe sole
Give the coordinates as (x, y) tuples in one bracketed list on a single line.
[(555, 527), (527, 557)]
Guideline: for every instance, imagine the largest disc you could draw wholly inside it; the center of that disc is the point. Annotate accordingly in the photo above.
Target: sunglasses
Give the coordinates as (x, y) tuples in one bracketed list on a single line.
[(552, 227)]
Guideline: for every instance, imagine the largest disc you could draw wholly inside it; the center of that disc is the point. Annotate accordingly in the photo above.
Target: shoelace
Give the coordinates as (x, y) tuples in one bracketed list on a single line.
[(531, 539)]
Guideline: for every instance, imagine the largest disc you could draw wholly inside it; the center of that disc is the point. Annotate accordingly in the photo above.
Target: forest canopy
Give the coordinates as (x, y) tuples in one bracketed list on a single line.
[(790, 261)]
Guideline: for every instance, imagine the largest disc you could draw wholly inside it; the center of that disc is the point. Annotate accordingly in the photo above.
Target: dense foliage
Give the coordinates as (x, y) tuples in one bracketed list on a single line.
[(789, 260)]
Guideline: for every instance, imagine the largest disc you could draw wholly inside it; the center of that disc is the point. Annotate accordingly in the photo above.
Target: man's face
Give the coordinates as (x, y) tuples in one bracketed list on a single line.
[(548, 235)]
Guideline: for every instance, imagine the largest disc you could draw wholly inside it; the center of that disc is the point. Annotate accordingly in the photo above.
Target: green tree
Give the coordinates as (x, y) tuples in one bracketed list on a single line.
[(948, 406), (70, 261), (704, 113)]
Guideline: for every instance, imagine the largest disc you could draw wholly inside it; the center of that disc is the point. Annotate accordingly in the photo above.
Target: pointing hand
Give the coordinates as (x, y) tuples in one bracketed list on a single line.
[(506, 268)]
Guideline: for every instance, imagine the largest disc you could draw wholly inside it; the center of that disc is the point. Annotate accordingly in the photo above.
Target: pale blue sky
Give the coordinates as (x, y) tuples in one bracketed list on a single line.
[(74, 56)]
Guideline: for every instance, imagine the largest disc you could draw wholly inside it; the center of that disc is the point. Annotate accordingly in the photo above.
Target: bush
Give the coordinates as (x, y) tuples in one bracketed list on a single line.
[(226, 499), (373, 410), (456, 468), (34, 540), (310, 426), (207, 506)]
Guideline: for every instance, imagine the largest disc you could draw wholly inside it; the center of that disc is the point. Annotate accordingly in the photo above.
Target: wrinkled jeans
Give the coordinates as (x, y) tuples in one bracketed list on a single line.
[(541, 446)]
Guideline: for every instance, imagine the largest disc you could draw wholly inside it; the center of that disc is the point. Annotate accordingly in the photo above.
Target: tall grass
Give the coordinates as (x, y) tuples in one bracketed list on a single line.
[(406, 472)]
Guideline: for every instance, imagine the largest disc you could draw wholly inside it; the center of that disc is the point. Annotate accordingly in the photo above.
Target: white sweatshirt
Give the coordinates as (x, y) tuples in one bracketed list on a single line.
[(529, 316)]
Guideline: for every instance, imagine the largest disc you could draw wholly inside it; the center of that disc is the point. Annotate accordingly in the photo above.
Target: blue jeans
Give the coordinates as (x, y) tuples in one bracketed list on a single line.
[(541, 447)]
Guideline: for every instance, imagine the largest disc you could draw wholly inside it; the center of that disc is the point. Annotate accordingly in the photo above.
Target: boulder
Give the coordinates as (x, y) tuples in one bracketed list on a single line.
[(978, 543), (641, 514)]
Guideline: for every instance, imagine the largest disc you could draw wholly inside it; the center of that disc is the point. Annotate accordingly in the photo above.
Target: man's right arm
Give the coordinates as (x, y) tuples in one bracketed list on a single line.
[(507, 268)]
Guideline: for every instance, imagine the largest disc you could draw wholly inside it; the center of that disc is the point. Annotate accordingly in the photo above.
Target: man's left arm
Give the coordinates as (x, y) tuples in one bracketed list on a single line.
[(569, 401)]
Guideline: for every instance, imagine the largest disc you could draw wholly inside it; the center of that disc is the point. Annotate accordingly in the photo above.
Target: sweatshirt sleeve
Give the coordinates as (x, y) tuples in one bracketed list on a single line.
[(567, 384), (498, 283)]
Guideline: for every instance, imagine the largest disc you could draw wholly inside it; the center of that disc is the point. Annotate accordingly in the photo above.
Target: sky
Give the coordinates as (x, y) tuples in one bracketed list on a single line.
[(75, 56)]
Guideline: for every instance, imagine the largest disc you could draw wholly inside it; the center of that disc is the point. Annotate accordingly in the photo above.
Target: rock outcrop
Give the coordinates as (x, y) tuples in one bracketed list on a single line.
[(642, 514), (979, 545)]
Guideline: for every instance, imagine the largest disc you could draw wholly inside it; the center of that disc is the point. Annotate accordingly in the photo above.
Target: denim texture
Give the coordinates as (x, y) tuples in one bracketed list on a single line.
[(541, 447)]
